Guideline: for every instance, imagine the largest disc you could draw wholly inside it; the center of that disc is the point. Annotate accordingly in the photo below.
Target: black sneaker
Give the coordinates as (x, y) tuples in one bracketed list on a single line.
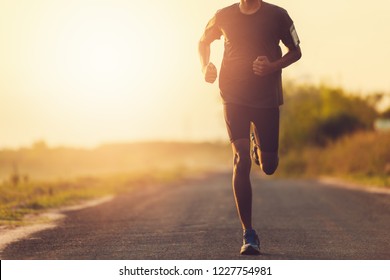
[(251, 243), (255, 150)]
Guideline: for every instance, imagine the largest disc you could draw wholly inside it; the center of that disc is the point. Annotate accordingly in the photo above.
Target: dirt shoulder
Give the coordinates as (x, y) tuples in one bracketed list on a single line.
[(42, 221)]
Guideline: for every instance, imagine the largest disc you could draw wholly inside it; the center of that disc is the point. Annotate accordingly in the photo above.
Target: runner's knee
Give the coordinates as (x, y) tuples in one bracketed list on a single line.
[(242, 162), (242, 159), (269, 162)]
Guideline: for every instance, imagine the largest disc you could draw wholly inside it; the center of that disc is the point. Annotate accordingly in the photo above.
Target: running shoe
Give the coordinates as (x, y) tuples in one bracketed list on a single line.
[(255, 150), (251, 243)]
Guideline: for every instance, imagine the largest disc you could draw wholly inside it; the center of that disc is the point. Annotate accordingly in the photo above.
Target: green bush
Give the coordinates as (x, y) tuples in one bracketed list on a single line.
[(319, 115), (335, 127)]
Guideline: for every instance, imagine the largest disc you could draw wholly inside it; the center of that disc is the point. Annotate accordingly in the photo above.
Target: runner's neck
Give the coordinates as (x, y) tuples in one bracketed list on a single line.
[(249, 7)]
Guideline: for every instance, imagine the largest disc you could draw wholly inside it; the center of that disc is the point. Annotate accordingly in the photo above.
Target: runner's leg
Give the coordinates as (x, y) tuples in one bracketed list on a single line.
[(238, 126), (242, 188), (267, 134)]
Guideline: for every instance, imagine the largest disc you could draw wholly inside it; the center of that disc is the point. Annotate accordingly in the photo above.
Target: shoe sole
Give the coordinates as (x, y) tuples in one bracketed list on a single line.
[(249, 250), (255, 155)]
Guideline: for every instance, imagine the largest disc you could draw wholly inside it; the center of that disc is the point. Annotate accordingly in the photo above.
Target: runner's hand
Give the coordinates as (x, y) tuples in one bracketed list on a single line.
[(262, 66), (210, 73)]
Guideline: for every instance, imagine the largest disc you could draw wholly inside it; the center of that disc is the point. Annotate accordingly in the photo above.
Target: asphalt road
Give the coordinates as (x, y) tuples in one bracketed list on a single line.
[(197, 220)]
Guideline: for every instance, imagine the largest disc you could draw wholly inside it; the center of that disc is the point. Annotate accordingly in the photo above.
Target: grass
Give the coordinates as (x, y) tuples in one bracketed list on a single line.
[(28, 198), (39, 177), (362, 158)]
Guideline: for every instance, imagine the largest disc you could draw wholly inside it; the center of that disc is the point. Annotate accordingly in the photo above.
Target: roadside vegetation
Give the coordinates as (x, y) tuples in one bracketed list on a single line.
[(329, 132), (33, 197), (38, 178)]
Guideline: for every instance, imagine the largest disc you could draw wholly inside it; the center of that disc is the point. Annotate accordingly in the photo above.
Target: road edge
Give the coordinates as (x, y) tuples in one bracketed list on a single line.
[(43, 221), (341, 183)]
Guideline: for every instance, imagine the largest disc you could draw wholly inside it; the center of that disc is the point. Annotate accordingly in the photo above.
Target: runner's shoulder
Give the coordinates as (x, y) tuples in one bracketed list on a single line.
[(228, 10), (272, 8)]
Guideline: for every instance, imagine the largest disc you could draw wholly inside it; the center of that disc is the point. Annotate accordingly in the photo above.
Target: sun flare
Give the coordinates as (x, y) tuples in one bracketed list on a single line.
[(83, 72), (102, 52)]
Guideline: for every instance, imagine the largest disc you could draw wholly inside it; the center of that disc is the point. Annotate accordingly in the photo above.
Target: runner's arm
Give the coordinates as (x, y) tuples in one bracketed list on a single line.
[(204, 53), (293, 55), (211, 33), (262, 66)]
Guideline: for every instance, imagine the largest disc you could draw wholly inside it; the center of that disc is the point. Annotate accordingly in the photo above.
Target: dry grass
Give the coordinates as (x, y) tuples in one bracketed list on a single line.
[(363, 157), (34, 197), (40, 178)]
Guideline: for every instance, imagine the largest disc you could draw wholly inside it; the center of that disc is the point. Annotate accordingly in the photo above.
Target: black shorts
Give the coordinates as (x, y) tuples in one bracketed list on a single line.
[(266, 120)]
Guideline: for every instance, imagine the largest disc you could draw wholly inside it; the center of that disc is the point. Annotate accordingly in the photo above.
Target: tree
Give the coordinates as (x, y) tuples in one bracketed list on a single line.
[(319, 115)]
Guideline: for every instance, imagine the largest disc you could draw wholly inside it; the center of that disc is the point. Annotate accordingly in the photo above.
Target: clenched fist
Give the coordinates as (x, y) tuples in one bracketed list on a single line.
[(210, 73), (262, 66)]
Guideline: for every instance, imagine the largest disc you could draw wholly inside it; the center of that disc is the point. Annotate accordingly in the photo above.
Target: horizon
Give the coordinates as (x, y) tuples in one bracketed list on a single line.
[(43, 145)]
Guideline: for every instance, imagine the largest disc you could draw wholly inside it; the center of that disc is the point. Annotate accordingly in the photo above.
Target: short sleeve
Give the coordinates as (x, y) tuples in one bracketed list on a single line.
[(212, 31), (289, 35)]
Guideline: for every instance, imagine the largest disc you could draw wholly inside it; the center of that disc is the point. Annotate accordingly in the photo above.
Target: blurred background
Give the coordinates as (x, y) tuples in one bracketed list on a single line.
[(97, 87)]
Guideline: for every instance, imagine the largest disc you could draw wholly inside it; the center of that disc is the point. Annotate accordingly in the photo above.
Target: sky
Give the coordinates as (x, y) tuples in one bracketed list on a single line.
[(88, 72)]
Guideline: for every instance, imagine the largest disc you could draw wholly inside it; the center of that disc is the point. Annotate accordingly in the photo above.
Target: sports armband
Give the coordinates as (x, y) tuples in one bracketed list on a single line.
[(294, 35)]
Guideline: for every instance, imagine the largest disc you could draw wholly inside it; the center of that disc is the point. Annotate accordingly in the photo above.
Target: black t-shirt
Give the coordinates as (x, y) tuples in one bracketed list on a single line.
[(246, 38)]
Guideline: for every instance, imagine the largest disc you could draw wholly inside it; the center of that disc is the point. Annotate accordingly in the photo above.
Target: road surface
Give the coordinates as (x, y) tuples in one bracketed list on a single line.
[(197, 220)]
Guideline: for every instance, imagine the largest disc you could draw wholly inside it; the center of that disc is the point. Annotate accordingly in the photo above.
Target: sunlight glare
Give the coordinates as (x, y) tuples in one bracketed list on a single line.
[(98, 54)]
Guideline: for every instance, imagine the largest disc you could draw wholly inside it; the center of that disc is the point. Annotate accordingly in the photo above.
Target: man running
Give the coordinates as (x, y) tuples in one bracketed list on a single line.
[(251, 89)]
